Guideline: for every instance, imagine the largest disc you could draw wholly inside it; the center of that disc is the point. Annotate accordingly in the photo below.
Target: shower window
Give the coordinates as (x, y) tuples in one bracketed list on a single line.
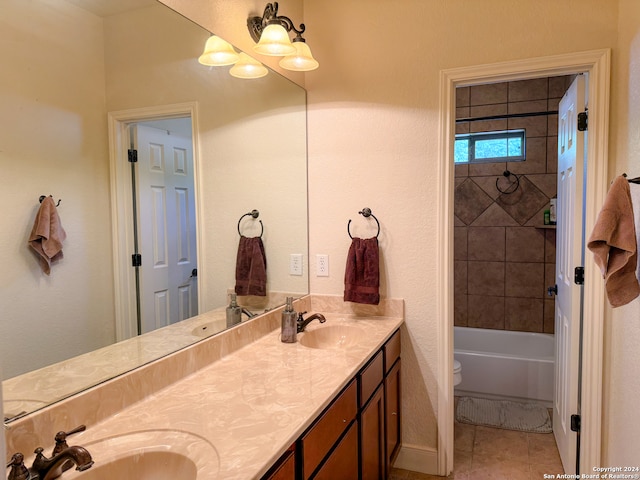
[(507, 145)]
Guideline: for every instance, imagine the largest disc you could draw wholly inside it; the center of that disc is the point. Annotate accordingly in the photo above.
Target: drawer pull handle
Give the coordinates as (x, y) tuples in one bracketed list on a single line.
[(344, 421), (393, 413)]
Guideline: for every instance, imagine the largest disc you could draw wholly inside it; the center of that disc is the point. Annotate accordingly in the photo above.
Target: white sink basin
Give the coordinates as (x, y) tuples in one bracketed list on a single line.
[(149, 455), (331, 336), (156, 465)]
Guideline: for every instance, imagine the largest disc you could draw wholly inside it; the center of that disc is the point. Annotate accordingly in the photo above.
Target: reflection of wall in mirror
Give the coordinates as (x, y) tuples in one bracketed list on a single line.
[(54, 142), (71, 162), (252, 146)]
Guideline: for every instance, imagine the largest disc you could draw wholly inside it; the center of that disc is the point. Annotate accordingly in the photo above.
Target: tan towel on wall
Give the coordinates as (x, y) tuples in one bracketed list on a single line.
[(613, 243), (362, 273), (47, 235), (251, 267)]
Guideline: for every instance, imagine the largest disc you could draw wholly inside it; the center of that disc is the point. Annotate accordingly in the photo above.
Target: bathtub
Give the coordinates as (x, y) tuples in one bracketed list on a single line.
[(504, 364)]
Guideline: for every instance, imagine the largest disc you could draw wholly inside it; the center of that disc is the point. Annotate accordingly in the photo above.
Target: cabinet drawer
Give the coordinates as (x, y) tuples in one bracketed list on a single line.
[(391, 351), (284, 468), (317, 442), (370, 378)]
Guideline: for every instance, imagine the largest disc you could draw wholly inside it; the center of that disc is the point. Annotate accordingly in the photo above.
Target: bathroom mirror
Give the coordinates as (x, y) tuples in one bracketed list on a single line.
[(69, 68)]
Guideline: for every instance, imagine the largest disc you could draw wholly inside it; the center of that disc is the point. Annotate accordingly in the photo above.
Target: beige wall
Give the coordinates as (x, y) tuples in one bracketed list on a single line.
[(376, 96), (251, 143), (373, 129), (621, 431)]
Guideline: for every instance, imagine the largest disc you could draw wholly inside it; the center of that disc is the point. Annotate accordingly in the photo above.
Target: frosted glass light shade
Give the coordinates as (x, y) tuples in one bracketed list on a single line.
[(218, 52), (275, 42), (247, 67), (301, 61)]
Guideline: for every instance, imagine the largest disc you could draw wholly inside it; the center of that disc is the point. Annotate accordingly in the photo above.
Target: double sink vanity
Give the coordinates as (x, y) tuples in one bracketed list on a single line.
[(242, 404)]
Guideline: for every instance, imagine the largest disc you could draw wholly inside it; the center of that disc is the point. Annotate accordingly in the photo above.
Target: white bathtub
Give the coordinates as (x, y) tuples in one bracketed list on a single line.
[(504, 364)]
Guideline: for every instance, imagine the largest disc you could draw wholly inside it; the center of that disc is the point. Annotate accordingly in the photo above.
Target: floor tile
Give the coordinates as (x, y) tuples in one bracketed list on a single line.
[(500, 444), (485, 453)]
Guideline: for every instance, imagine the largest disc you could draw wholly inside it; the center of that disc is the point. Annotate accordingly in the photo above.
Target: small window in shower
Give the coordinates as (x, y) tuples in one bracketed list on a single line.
[(503, 146)]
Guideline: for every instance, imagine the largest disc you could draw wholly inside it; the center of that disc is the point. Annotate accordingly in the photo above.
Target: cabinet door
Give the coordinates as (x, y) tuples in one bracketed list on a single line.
[(372, 438), (342, 464), (392, 413), (285, 467)]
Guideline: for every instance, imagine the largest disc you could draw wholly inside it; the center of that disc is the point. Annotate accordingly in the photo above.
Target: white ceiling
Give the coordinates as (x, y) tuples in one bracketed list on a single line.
[(105, 8)]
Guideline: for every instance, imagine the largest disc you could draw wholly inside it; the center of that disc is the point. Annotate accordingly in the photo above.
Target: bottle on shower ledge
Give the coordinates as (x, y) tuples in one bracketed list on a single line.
[(234, 312), (289, 331)]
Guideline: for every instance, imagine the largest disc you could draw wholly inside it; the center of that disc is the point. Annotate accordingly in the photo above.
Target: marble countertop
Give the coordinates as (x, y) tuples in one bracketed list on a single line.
[(236, 416)]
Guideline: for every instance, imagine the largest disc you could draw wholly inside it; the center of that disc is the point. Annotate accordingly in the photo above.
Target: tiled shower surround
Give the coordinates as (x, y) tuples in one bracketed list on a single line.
[(504, 257)]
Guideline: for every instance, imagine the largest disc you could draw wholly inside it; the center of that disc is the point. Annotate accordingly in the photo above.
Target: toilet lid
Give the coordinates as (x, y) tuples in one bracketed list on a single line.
[(456, 366)]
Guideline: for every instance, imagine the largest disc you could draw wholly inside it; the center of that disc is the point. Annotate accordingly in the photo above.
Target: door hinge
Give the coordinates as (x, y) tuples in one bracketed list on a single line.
[(583, 121), (136, 260), (575, 423), (578, 276), (133, 155)]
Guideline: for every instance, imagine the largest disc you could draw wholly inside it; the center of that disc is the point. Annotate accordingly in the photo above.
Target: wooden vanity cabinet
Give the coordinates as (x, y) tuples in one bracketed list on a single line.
[(372, 435), (392, 399), (380, 411), (285, 467), (315, 445), (357, 437)]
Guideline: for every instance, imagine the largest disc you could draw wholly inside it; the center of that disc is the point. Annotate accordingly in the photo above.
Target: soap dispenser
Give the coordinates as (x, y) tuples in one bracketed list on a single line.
[(289, 332), (234, 312)]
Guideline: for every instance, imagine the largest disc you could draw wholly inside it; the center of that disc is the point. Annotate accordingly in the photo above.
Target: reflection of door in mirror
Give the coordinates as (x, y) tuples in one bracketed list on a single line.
[(166, 241)]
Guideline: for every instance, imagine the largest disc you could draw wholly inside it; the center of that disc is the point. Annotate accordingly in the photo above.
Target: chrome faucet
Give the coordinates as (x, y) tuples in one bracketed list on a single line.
[(248, 313), (302, 322), (63, 458)]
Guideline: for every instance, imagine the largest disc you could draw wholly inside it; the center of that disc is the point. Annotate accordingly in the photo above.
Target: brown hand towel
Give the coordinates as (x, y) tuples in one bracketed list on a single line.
[(47, 235), (251, 267), (613, 243), (362, 274)]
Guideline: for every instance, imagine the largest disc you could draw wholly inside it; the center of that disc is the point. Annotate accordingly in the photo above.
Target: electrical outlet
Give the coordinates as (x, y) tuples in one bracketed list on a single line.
[(295, 264), (322, 265)]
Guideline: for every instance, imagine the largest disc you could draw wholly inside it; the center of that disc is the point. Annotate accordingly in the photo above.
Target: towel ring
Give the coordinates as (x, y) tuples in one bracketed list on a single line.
[(254, 214), (42, 197), (366, 212), (512, 187)]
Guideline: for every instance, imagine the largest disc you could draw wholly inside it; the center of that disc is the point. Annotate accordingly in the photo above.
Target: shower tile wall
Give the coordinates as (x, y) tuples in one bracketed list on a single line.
[(504, 258)]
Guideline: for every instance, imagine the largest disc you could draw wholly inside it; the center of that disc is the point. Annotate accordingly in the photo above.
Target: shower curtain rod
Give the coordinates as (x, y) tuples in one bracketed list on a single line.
[(507, 116)]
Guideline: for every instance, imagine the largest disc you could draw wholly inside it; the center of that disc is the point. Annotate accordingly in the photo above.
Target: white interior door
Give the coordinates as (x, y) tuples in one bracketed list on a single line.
[(167, 227), (569, 246)]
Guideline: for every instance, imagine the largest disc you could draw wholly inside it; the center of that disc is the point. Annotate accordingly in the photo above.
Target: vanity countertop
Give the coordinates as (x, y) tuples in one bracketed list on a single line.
[(237, 415)]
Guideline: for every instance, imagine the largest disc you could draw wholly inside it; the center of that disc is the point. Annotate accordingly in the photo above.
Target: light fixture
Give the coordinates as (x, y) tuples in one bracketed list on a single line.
[(271, 32), (302, 60), (247, 67), (218, 52)]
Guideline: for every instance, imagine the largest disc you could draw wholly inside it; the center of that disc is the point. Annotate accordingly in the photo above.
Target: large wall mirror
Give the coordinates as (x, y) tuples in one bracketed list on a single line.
[(82, 81)]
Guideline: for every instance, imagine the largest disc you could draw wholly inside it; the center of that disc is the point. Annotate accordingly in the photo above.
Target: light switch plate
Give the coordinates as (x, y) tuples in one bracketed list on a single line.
[(322, 265)]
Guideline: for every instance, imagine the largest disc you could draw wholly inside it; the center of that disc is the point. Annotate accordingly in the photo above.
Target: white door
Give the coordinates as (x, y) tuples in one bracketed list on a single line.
[(167, 227), (569, 254)]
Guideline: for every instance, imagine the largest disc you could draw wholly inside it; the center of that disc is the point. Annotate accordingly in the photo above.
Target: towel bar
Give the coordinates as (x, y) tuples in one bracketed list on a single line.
[(42, 197), (366, 212), (254, 214)]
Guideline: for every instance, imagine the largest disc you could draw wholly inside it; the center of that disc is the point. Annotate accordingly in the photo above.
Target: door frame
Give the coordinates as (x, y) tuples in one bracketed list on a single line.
[(597, 63), (121, 201)]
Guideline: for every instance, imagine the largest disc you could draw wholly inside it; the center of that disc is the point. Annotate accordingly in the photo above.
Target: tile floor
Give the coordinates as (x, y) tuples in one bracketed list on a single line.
[(485, 453)]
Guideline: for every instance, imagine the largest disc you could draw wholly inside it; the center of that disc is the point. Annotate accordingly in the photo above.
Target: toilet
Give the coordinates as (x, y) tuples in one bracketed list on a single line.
[(457, 372)]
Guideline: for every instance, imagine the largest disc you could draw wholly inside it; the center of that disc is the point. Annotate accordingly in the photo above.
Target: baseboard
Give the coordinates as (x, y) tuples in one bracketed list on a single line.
[(417, 459)]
